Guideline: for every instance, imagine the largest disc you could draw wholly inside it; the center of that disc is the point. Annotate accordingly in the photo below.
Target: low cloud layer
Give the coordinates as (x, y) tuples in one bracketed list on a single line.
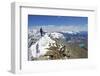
[(55, 28)]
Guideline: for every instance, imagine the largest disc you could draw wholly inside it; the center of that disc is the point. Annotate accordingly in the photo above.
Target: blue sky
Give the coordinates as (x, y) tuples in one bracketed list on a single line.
[(67, 23)]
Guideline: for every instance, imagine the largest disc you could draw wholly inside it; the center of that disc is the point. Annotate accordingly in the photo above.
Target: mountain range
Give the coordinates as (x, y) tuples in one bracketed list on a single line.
[(37, 45)]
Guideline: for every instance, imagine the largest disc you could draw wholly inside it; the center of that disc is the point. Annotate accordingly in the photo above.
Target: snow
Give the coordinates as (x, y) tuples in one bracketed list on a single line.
[(43, 44), (71, 32), (40, 47), (33, 37), (57, 35)]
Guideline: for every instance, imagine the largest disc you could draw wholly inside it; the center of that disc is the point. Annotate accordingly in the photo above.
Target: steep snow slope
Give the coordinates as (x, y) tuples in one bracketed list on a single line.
[(40, 47)]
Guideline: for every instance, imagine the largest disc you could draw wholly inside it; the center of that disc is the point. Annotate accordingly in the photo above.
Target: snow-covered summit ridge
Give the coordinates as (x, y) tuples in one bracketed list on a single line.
[(40, 47)]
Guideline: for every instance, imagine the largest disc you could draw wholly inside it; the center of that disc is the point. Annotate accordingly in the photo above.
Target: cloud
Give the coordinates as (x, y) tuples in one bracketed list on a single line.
[(55, 28)]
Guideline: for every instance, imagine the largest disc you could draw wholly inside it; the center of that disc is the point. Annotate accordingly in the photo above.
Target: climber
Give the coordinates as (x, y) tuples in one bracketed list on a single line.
[(41, 31)]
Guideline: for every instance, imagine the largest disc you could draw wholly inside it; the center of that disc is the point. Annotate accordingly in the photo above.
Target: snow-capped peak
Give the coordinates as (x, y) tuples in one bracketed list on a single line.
[(40, 47), (71, 32), (57, 35)]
